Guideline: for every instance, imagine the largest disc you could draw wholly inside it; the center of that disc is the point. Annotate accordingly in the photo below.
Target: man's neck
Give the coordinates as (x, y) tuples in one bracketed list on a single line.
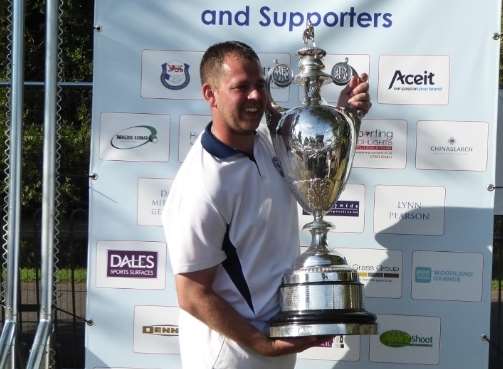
[(240, 142)]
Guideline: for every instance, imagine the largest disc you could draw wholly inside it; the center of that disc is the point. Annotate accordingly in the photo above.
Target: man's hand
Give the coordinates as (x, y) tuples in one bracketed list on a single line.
[(291, 345), (356, 94)]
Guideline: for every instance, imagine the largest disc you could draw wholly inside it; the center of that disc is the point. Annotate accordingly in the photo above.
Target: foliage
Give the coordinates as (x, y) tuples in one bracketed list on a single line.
[(74, 116), (75, 113)]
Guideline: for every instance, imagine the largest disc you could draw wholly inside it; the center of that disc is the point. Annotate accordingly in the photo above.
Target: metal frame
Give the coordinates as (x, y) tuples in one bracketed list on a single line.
[(41, 343), (8, 337)]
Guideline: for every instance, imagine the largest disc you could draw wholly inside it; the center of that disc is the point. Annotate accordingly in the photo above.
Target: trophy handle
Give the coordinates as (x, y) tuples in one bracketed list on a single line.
[(282, 76), (353, 118)]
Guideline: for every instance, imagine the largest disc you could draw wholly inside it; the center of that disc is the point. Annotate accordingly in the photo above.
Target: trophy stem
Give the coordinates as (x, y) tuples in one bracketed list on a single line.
[(319, 229)]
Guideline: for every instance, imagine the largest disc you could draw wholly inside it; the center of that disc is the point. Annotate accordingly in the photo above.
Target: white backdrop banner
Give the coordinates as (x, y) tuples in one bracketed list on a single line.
[(415, 219)]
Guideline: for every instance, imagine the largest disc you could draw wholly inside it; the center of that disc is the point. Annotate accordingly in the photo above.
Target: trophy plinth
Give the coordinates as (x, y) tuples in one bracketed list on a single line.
[(315, 145)]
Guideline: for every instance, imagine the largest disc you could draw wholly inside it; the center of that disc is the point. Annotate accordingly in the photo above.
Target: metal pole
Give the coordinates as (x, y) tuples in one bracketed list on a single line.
[(41, 341), (8, 337)]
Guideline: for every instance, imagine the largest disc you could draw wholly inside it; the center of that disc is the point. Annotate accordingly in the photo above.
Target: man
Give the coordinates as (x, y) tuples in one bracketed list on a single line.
[(231, 223)]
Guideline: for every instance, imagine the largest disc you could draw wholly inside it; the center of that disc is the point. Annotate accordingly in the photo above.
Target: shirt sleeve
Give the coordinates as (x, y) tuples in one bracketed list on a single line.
[(194, 231)]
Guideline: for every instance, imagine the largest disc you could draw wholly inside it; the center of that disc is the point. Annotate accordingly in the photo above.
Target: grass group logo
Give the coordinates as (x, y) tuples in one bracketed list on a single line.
[(175, 75), (396, 338)]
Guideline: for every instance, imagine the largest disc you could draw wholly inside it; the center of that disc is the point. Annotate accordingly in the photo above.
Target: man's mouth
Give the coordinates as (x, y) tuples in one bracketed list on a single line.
[(253, 110)]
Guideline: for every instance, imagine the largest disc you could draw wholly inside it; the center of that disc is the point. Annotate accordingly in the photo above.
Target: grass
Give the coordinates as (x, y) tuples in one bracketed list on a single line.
[(62, 275)]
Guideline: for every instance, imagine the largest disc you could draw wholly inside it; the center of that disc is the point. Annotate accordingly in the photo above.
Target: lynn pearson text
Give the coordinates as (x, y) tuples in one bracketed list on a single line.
[(267, 17)]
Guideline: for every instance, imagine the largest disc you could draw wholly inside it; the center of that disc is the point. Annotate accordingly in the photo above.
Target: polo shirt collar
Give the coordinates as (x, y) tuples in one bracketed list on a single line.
[(216, 147)]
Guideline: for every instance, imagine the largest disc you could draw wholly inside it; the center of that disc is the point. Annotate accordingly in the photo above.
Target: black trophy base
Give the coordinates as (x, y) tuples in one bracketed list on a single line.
[(322, 323)]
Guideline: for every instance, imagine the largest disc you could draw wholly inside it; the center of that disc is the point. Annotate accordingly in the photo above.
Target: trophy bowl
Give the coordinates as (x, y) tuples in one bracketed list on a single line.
[(315, 145)]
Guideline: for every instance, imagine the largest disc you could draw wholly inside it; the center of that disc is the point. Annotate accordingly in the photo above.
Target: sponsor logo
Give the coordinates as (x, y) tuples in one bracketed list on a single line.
[(175, 75), (158, 204), (377, 143), (413, 82), (427, 275), (451, 148), (409, 210), (334, 342), (132, 264), (397, 339), (342, 208), (160, 330), (423, 275), (133, 137), (377, 272)]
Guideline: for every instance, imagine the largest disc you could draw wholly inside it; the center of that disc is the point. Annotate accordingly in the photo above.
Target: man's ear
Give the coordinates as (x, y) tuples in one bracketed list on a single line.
[(209, 95)]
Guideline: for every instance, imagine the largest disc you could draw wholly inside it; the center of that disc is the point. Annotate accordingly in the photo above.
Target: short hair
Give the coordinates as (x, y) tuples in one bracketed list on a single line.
[(214, 56)]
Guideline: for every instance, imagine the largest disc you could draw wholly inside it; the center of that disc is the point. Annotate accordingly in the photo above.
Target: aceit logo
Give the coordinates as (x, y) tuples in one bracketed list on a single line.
[(397, 338), (423, 275), (425, 79), (160, 330)]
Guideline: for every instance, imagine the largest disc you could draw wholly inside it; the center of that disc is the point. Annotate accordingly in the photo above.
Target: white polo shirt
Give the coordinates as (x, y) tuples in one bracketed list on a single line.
[(235, 211)]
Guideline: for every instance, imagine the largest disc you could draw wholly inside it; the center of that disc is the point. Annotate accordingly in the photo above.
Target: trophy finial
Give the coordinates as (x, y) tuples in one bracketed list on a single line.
[(308, 35)]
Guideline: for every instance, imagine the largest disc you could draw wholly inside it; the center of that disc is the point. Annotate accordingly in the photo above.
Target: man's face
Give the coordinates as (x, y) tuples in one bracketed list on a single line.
[(239, 96)]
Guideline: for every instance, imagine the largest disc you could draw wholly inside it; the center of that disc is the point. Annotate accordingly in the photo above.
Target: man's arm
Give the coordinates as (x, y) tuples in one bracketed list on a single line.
[(196, 296)]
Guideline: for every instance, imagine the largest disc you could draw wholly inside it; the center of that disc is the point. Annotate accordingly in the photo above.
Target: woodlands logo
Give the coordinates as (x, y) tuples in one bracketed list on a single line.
[(427, 275)]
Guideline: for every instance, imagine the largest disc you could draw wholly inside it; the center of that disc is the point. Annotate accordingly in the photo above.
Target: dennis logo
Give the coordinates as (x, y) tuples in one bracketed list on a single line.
[(133, 137), (175, 76), (160, 330)]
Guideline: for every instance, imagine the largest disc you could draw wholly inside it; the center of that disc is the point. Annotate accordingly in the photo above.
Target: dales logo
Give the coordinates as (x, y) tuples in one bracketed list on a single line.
[(175, 76), (132, 264)]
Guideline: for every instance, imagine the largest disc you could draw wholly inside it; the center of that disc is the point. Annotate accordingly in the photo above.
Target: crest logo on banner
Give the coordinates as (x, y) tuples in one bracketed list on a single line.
[(175, 75)]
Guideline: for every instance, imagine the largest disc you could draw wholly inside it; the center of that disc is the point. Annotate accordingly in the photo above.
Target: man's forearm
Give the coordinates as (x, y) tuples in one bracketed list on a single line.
[(220, 316), (196, 296)]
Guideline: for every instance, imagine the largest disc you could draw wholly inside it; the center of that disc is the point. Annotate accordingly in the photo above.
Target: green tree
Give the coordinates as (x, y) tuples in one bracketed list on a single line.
[(75, 104)]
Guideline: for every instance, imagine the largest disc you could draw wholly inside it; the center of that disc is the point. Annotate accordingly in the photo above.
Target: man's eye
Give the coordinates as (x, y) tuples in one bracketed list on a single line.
[(241, 87)]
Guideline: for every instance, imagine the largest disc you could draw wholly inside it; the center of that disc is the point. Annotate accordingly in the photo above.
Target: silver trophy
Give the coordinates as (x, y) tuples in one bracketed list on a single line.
[(315, 145)]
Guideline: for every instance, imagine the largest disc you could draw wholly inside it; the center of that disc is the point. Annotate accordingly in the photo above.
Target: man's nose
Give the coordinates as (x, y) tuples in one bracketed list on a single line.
[(256, 93)]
